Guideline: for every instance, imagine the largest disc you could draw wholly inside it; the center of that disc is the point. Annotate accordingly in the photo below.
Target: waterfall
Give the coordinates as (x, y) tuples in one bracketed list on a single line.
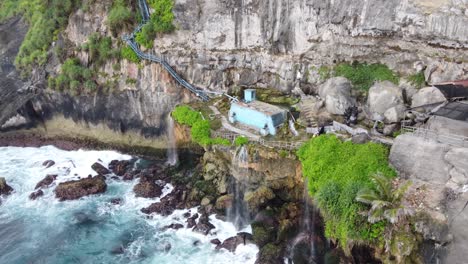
[(238, 213), (302, 249), (172, 157)]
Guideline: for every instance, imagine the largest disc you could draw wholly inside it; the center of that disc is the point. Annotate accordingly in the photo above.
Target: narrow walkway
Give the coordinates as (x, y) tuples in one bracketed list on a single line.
[(225, 123), (130, 40)]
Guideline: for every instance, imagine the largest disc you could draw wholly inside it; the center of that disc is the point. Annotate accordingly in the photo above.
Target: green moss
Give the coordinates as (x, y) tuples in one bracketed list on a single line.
[(262, 234), (270, 253), (336, 171), (417, 79), (240, 141), (363, 75)]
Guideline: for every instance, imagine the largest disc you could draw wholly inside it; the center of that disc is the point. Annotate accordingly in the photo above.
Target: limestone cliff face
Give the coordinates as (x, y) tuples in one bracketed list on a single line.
[(220, 44)]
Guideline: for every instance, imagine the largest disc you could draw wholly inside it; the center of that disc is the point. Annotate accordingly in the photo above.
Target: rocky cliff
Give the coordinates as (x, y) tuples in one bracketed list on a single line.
[(276, 44)]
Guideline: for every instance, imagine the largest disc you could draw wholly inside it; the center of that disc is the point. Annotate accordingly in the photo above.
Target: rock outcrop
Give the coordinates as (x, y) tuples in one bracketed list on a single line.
[(46, 182), (439, 173), (337, 95), (147, 188), (5, 189), (73, 190), (100, 169), (385, 100), (426, 96)]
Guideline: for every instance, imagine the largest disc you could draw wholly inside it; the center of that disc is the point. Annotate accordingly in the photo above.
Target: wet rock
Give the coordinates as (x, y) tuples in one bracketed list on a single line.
[(271, 254), (46, 182), (116, 201), (215, 241), (130, 175), (231, 243), (118, 250), (191, 221), (174, 226), (76, 189), (36, 194), (147, 188), (5, 189), (119, 167), (48, 163), (203, 226), (196, 243), (167, 205), (100, 169), (186, 215)]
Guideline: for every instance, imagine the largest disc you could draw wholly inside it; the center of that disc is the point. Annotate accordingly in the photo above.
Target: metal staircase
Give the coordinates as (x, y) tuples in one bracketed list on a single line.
[(130, 40)]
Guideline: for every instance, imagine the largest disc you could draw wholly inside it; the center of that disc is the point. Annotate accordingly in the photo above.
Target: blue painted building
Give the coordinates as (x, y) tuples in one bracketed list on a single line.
[(263, 117)]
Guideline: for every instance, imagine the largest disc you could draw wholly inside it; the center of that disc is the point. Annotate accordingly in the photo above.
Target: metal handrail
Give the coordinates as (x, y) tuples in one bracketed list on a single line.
[(451, 139)]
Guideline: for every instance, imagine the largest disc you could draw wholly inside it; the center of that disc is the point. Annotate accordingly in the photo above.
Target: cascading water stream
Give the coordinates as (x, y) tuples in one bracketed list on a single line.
[(172, 157), (302, 248), (238, 213)]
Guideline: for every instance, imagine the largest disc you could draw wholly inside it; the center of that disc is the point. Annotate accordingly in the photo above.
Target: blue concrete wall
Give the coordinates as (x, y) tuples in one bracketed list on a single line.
[(255, 119)]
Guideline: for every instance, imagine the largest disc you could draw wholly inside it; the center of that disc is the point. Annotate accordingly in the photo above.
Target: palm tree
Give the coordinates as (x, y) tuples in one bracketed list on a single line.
[(385, 200)]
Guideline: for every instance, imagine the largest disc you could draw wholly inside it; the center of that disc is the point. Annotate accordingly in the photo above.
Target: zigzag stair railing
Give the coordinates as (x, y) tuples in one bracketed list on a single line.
[(130, 40)]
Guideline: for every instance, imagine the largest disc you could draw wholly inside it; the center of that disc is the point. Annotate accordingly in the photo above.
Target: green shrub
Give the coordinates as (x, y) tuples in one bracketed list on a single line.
[(120, 17), (100, 49), (324, 73), (200, 128), (74, 78), (45, 18), (336, 171), (417, 79), (128, 54), (363, 75), (161, 21), (240, 141)]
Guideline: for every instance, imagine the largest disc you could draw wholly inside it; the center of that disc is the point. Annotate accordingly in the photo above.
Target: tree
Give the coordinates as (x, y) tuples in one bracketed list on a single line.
[(384, 199)]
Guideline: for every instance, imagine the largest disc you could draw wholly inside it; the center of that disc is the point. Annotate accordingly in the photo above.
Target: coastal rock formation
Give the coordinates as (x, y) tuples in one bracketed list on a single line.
[(46, 182), (439, 173), (147, 188), (119, 167), (36, 194), (231, 243), (337, 95), (100, 169), (5, 189), (48, 163), (73, 190)]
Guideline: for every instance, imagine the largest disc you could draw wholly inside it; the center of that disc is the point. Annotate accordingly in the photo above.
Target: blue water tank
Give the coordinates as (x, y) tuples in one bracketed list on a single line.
[(249, 95)]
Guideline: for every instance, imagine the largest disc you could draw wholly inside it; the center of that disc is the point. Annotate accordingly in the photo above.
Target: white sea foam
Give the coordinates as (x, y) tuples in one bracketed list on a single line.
[(89, 229)]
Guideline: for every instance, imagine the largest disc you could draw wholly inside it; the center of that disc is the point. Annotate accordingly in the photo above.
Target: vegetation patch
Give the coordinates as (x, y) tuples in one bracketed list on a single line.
[(45, 18), (200, 128), (100, 49), (128, 54), (74, 78), (336, 171), (363, 75), (161, 21), (240, 141), (417, 79), (120, 16)]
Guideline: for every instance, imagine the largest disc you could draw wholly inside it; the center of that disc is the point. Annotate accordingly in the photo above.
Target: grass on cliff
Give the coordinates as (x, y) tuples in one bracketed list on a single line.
[(45, 19), (336, 171), (121, 17), (200, 128), (161, 21), (74, 78), (363, 75)]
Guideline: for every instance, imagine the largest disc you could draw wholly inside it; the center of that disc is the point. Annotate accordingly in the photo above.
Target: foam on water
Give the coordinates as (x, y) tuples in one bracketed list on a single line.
[(91, 229)]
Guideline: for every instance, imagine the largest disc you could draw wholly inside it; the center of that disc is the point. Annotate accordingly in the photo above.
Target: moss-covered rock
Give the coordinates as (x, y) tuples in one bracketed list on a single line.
[(262, 233), (5, 189), (269, 254), (259, 197)]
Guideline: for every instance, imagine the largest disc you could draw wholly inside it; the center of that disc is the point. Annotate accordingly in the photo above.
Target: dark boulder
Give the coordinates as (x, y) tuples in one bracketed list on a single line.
[(5, 189), (191, 221), (215, 241), (48, 163), (46, 182), (271, 254), (76, 189), (203, 226), (231, 243), (147, 188), (130, 175), (116, 201), (174, 226), (100, 169), (168, 204), (36, 194), (120, 167)]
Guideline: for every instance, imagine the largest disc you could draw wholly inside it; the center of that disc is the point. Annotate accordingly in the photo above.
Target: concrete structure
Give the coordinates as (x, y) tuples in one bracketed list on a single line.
[(263, 117)]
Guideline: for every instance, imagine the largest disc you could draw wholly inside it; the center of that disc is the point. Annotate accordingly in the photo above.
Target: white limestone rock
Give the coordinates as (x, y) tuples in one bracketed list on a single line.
[(337, 95), (427, 95)]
